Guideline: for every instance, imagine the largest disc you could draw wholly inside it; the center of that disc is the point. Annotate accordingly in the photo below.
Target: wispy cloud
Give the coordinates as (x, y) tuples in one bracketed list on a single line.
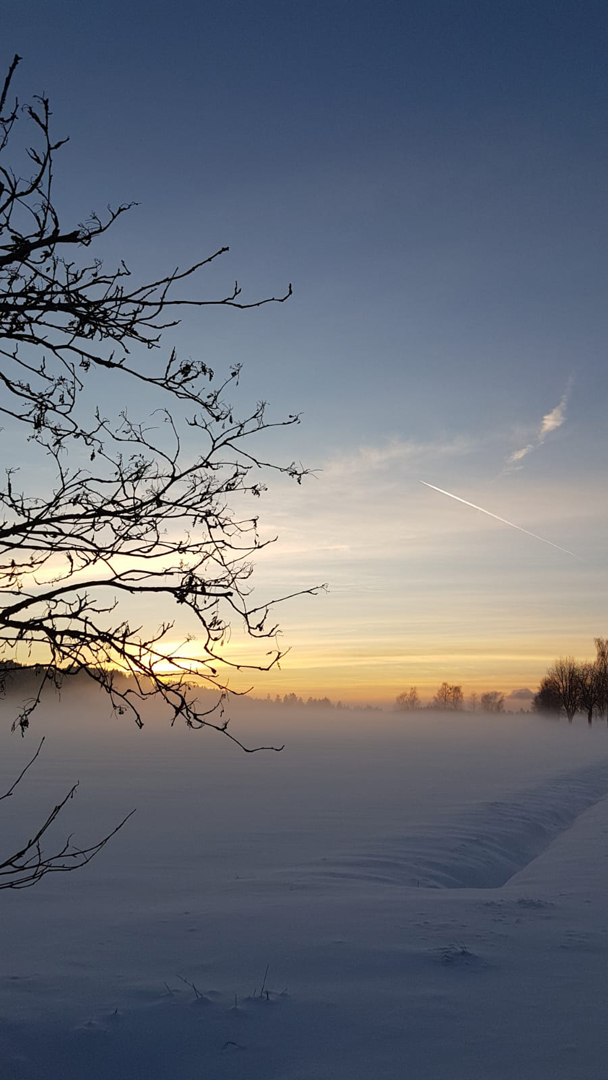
[(519, 455), (371, 459), (550, 422), (554, 419)]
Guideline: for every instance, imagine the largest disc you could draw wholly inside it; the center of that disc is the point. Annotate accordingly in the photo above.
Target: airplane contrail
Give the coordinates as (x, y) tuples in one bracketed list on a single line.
[(504, 521)]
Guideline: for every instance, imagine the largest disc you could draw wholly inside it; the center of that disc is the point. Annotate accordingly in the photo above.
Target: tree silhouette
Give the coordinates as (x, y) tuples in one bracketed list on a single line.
[(493, 702), (408, 701), (589, 688), (570, 686), (564, 677), (449, 696), (132, 511), (547, 698), (601, 665)]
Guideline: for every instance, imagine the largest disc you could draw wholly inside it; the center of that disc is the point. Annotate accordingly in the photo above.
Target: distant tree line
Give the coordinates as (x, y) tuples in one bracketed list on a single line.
[(450, 698), (293, 700), (572, 686), (16, 677)]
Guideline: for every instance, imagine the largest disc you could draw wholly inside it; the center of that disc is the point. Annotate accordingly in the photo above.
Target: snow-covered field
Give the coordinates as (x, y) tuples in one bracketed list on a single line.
[(392, 896)]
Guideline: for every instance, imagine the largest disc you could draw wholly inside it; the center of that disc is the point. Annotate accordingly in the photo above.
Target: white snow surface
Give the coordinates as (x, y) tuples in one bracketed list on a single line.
[(391, 896)]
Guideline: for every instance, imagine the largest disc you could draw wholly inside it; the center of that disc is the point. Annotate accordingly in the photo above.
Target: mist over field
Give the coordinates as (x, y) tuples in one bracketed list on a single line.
[(423, 837)]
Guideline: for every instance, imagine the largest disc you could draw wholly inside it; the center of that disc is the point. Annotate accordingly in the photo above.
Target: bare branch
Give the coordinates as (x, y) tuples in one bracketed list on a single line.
[(22, 773), (30, 863), (140, 506)]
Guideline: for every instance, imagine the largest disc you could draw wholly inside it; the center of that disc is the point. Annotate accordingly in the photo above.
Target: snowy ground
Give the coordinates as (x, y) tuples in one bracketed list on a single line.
[(391, 897)]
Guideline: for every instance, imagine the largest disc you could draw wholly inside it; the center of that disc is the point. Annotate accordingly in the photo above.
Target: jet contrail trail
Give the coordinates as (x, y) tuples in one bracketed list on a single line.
[(504, 521)]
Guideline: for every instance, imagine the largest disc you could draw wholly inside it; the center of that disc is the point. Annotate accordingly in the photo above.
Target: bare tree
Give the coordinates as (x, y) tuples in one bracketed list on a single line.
[(442, 697), (601, 664), (408, 701), (493, 702), (473, 701), (132, 511), (589, 688), (456, 698), (564, 676), (449, 696), (547, 698)]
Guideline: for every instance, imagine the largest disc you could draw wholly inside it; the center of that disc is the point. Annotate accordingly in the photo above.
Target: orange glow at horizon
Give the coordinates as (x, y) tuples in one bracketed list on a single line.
[(346, 671)]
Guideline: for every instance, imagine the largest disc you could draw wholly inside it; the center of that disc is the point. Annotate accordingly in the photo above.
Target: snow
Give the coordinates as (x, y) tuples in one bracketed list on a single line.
[(394, 896)]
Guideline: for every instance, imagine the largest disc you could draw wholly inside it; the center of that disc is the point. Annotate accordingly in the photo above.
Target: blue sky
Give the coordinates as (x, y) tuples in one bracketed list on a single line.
[(431, 177)]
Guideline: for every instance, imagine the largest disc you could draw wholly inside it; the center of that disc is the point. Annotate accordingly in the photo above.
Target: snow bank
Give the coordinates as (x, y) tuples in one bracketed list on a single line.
[(486, 847)]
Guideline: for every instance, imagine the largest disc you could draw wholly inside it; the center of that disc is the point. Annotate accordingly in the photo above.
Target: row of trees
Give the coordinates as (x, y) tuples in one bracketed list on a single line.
[(292, 700), (572, 686), (450, 697)]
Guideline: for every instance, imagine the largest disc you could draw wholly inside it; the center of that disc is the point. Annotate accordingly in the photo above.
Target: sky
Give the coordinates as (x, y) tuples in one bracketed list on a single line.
[(431, 177)]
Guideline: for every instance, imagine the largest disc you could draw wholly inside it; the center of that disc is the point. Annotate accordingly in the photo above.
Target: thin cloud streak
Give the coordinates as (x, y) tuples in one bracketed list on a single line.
[(504, 521)]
